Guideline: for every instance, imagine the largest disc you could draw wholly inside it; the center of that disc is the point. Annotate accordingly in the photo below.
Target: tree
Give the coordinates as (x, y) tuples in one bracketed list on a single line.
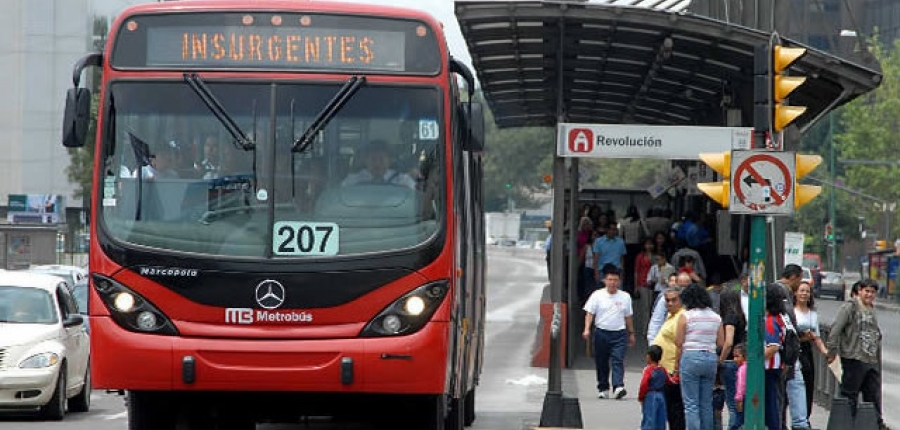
[(869, 130)]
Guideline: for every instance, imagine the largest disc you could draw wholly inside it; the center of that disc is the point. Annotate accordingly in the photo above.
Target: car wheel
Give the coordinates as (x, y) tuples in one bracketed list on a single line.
[(82, 401), (55, 409)]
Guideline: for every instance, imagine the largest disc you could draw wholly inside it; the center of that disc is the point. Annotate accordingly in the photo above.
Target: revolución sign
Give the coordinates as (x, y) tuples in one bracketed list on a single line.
[(648, 141)]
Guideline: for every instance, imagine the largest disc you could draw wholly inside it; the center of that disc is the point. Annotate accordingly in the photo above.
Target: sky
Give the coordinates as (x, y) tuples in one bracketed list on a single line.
[(442, 10)]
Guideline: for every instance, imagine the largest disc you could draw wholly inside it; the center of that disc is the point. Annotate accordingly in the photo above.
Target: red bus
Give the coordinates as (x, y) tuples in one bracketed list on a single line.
[(286, 215)]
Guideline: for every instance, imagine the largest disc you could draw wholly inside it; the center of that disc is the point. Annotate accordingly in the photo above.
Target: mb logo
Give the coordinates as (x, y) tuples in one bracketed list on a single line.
[(581, 140), (239, 316)]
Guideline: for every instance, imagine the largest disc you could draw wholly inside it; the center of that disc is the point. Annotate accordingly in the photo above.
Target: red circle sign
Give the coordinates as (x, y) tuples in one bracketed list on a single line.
[(778, 197)]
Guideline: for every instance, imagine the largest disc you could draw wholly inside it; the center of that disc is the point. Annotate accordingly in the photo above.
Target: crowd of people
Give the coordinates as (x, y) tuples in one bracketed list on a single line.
[(697, 330), (696, 361)]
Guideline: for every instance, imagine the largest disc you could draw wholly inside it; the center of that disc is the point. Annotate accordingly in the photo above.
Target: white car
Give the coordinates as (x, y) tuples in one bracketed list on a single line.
[(44, 347), (71, 274)]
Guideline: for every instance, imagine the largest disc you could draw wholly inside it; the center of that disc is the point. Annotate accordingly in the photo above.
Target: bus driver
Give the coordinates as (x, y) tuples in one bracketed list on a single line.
[(378, 168)]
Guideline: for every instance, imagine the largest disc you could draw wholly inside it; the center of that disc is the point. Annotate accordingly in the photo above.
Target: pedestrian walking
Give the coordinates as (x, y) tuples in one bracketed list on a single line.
[(856, 337), (808, 328), (740, 358), (793, 388), (653, 381), (666, 340), (773, 339), (609, 313), (697, 336), (734, 331)]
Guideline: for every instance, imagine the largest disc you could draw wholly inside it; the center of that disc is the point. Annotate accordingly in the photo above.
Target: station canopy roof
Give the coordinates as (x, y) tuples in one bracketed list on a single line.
[(635, 65)]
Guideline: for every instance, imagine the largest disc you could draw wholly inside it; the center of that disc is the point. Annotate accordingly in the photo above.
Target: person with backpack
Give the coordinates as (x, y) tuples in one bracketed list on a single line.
[(856, 337), (792, 391)]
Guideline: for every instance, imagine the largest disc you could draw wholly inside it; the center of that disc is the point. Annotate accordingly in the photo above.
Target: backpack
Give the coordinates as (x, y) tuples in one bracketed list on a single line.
[(790, 348)]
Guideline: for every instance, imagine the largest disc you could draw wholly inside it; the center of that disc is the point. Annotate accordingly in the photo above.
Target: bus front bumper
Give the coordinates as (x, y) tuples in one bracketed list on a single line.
[(414, 364)]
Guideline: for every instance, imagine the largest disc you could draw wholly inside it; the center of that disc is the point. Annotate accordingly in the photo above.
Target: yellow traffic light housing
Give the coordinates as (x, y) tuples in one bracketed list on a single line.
[(782, 86), (719, 192), (804, 165)]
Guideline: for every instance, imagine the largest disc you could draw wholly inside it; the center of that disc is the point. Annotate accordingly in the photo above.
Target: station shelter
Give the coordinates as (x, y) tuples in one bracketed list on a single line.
[(546, 63)]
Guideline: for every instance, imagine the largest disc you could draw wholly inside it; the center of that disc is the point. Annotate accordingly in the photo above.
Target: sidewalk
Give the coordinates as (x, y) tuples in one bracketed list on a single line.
[(625, 414)]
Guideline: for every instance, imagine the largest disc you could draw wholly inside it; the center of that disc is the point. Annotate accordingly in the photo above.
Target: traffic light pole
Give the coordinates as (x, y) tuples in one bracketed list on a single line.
[(754, 404)]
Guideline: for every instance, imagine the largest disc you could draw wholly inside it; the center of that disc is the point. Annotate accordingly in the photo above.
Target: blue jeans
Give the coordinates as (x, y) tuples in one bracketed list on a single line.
[(698, 373), (729, 379), (609, 351), (796, 396)]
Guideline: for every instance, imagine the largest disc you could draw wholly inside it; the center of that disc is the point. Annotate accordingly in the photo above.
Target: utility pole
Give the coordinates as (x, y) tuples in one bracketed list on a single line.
[(754, 409), (833, 252)]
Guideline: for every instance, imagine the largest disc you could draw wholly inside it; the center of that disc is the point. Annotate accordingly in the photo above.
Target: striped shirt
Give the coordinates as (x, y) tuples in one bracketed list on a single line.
[(774, 336), (702, 330)]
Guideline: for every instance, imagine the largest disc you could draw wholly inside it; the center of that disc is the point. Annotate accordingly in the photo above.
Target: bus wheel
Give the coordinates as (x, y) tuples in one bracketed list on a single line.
[(469, 414), (149, 411), (428, 413), (456, 417)]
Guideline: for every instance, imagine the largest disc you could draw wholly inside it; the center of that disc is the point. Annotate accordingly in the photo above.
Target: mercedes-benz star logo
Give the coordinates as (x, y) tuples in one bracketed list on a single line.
[(270, 294)]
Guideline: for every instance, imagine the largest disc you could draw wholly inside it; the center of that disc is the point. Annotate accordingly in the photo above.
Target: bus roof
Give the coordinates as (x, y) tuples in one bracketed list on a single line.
[(284, 5)]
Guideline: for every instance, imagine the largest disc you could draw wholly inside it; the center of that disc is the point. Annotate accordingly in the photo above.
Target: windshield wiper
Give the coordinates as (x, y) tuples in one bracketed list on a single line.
[(240, 138), (328, 112)]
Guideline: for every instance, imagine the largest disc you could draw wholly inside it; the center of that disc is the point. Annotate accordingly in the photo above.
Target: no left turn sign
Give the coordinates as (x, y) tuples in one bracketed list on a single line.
[(762, 182)]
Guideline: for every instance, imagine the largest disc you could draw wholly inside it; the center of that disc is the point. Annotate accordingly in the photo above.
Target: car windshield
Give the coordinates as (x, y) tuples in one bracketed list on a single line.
[(26, 305), (369, 182)]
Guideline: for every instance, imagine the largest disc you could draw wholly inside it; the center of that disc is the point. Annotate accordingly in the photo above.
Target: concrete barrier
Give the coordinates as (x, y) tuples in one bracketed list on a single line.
[(540, 355)]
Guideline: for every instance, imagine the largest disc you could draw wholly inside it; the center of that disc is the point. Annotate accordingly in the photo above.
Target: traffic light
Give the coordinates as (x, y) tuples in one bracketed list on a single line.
[(804, 165), (829, 233), (783, 85), (508, 186), (720, 192)]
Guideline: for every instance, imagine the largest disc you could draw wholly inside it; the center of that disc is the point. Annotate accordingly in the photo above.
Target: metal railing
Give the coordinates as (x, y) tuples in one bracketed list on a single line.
[(827, 386)]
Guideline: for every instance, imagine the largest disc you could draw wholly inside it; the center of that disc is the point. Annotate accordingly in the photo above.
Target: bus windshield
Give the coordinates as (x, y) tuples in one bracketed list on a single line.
[(176, 179)]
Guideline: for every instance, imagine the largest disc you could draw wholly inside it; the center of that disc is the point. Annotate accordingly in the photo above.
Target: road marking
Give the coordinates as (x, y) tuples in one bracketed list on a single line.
[(528, 380), (118, 416)]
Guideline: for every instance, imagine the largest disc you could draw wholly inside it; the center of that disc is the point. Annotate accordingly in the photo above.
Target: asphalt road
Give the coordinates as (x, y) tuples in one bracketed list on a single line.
[(510, 394)]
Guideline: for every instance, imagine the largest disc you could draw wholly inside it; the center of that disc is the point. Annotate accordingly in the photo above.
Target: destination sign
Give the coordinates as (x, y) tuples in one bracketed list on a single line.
[(276, 41), (276, 47)]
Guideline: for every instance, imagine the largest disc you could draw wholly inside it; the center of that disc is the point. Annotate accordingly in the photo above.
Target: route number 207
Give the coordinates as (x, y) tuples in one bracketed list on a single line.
[(305, 238)]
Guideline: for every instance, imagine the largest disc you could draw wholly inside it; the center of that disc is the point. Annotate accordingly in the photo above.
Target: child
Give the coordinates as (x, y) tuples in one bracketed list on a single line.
[(740, 358), (653, 404)]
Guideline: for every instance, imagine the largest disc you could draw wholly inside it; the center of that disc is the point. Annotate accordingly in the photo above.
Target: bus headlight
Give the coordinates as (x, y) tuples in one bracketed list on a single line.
[(415, 305), (131, 311), (124, 302), (409, 313)]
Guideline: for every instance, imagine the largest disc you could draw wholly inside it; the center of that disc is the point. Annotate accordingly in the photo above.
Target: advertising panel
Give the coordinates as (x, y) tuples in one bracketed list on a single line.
[(36, 209)]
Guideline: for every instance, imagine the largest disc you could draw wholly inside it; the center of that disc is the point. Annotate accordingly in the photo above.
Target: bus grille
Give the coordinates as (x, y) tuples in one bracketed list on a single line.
[(2, 356)]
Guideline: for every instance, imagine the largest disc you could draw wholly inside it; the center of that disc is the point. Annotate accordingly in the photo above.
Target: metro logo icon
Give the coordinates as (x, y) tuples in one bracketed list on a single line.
[(239, 316), (581, 140)]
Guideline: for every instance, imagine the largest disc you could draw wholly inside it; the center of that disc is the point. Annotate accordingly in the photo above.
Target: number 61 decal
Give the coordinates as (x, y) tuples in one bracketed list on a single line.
[(305, 238)]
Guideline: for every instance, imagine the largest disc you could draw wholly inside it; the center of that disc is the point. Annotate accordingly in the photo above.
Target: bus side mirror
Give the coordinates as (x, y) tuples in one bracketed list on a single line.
[(475, 142), (76, 117)]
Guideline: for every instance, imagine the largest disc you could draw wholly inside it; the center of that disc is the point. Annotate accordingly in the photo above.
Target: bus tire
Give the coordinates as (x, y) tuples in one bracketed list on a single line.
[(456, 416), (149, 410), (429, 414), (469, 410)]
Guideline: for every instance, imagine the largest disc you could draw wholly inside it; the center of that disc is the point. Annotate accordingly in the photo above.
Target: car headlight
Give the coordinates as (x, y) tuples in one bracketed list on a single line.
[(409, 313), (40, 361), (131, 311)]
